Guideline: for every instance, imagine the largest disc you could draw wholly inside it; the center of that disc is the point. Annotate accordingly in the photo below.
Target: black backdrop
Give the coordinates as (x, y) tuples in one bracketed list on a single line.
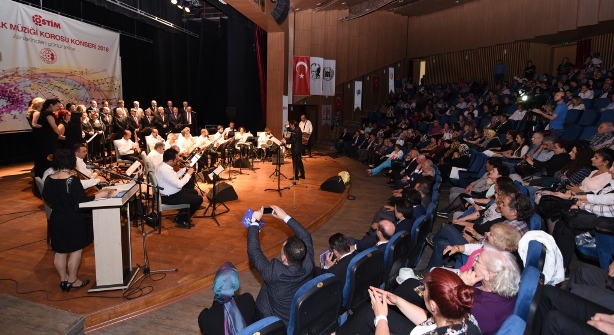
[(215, 71)]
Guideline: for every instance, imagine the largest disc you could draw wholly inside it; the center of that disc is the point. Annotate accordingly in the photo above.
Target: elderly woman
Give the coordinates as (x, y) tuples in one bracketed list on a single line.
[(490, 141), (496, 277), (229, 313), (447, 299), (396, 156)]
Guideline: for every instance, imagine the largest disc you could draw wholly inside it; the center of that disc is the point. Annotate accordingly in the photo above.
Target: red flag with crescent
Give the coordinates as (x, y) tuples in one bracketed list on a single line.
[(338, 101), (301, 75)]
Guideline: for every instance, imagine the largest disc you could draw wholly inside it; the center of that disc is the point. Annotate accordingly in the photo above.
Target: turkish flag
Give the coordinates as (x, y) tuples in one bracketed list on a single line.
[(338, 101), (375, 84), (301, 75)]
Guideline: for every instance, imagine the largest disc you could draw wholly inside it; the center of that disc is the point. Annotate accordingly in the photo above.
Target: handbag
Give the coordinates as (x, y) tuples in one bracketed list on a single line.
[(552, 208)]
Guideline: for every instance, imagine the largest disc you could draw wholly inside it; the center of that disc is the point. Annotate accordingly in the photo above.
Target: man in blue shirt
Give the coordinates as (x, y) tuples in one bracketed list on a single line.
[(500, 72), (557, 118)]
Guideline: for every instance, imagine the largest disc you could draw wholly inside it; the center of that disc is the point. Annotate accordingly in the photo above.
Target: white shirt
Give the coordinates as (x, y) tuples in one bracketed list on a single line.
[(203, 142), (151, 141), (125, 147), (518, 115), (81, 167), (155, 158), (306, 126), (243, 138), (227, 130), (185, 143), (169, 179), (586, 95), (87, 183)]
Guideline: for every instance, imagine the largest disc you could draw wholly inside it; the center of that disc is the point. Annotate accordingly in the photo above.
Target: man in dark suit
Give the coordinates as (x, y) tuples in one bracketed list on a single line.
[(175, 121), (134, 125), (383, 234), (190, 119), (282, 277), (168, 110), (343, 138), (296, 140), (148, 123), (339, 256), (161, 122), (120, 122)]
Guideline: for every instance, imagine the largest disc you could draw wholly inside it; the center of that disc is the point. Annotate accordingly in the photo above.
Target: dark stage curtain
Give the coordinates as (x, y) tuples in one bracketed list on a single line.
[(261, 44), (215, 71), (583, 50)]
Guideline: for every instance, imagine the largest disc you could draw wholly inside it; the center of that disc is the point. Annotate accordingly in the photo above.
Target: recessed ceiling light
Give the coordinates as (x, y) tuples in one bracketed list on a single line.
[(296, 9), (343, 3), (319, 3)]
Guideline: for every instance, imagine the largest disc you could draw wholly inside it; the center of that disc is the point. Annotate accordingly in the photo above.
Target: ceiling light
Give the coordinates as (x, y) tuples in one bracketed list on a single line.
[(296, 9), (174, 2)]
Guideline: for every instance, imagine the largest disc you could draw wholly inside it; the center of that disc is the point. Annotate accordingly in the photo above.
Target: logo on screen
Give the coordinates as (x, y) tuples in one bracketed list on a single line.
[(48, 56), (39, 21)]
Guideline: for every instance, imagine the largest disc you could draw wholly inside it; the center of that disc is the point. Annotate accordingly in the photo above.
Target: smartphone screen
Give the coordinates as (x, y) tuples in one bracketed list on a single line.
[(268, 210)]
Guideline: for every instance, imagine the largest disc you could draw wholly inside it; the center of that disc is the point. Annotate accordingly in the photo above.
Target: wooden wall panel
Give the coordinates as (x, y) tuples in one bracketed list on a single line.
[(484, 23), (541, 56), (605, 45), (275, 80), (564, 21), (588, 13)]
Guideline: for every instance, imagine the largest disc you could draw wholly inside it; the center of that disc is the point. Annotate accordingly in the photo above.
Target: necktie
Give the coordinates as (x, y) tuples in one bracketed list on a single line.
[(189, 122), (149, 119), (136, 121)]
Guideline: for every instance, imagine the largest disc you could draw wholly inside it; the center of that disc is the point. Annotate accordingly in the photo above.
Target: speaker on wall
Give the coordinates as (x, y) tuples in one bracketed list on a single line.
[(333, 184), (224, 192), (280, 13)]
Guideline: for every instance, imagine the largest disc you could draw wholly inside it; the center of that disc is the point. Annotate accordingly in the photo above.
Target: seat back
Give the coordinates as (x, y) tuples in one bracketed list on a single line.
[(270, 325), (587, 132), (151, 178), (571, 133), (588, 118), (604, 239), (529, 293), (395, 257), (365, 269), (536, 255), (419, 232), (588, 103), (315, 306), (572, 116), (536, 222)]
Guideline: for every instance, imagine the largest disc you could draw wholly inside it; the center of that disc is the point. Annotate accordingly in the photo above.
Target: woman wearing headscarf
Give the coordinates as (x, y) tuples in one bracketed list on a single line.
[(228, 314), (491, 141)]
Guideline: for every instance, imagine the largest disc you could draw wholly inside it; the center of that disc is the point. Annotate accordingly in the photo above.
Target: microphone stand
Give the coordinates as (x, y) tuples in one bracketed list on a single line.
[(147, 272)]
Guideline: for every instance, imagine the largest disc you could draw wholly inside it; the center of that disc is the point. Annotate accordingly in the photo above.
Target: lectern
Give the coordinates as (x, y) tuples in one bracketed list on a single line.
[(112, 249)]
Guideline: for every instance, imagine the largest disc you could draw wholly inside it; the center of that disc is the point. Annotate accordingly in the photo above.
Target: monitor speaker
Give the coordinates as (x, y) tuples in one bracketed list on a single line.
[(333, 184), (242, 163), (280, 13), (224, 192)]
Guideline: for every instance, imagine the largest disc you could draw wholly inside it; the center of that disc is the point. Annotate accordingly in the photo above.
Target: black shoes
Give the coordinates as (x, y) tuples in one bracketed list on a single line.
[(297, 178), (302, 177), (183, 221), (66, 285)]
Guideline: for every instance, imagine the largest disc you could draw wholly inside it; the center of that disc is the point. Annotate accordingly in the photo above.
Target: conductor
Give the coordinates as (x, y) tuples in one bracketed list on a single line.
[(296, 141)]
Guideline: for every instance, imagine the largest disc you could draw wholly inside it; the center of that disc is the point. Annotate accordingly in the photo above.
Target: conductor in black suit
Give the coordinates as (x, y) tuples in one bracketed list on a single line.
[(339, 257), (282, 277), (296, 140)]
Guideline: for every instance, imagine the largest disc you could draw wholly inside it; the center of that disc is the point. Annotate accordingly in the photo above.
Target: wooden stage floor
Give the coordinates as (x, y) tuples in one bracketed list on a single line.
[(197, 252)]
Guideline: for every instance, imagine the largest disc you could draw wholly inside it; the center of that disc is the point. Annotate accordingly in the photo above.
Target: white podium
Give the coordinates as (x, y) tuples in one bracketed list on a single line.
[(112, 249)]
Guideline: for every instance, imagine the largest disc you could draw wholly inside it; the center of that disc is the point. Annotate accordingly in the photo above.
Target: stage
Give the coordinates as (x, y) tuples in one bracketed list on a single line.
[(197, 252)]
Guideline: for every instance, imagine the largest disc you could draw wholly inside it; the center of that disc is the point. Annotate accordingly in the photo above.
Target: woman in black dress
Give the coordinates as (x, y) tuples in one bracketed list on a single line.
[(69, 233), (48, 136)]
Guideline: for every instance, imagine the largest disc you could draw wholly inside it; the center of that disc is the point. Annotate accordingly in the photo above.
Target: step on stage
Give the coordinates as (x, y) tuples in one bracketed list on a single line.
[(196, 252)]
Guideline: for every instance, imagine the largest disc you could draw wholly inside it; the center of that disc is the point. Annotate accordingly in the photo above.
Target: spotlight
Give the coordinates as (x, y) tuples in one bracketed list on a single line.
[(180, 5), (174, 2)]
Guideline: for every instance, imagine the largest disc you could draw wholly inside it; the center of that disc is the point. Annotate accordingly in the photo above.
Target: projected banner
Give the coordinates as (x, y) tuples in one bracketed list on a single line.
[(49, 56)]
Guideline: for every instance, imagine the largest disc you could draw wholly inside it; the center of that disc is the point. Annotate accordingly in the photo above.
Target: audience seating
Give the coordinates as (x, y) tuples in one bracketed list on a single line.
[(315, 306), (588, 103), (536, 221), (602, 103), (572, 116), (587, 132), (602, 253), (529, 294), (365, 269), (419, 232), (270, 325), (536, 255), (606, 115), (397, 250), (571, 133), (476, 169), (588, 118)]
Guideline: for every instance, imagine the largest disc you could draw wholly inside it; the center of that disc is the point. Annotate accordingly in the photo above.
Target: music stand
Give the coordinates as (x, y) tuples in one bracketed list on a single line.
[(109, 144), (278, 161), (213, 202)]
